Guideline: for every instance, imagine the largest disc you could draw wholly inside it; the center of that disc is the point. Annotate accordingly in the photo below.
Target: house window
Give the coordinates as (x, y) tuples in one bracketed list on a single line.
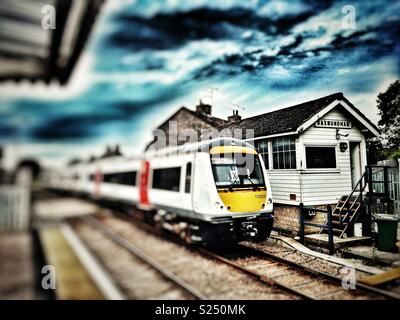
[(262, 148), (167, 179), (321, 157), (284, 153)]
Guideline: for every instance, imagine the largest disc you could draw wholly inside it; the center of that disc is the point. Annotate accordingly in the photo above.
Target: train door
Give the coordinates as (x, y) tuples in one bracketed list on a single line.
[(187, 187)]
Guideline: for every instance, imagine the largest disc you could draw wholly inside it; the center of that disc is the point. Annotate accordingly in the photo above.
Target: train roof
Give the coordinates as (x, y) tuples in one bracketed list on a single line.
[(202, 146)]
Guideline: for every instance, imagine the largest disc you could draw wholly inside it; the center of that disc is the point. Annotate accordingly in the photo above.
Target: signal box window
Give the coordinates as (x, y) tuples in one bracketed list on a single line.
[(320, 157), (284, 153), (262, 149)]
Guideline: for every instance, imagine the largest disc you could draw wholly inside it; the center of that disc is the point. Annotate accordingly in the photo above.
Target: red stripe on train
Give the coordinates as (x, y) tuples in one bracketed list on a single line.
[(98, 177), (144, 184)]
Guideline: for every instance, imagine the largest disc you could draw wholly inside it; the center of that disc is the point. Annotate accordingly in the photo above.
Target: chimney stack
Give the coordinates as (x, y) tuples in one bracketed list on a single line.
[(235, 117), (203, 108)]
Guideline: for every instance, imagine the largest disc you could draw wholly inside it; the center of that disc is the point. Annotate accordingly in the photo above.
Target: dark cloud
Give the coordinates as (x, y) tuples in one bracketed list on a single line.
[(363, 45), (71, 127), (263, 53), (170, 30), (77, 125), (7, 130)]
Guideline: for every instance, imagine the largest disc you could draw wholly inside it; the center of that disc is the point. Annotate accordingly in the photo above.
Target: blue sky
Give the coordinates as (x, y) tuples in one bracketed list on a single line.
[(147, 58)]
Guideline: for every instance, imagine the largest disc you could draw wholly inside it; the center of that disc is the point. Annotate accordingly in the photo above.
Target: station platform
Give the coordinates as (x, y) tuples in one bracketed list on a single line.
[(16, 267), (358, 265), (72, 280)]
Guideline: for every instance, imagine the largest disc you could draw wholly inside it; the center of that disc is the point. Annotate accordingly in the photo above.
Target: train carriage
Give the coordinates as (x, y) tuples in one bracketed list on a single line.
[(213, 192), (117, 180)]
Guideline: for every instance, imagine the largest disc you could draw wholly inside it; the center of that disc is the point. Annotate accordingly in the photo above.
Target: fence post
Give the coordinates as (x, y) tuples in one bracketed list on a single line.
[(301, 223), (330, 230), (369, 197), (386, 187), (369, 175), (397, 196)]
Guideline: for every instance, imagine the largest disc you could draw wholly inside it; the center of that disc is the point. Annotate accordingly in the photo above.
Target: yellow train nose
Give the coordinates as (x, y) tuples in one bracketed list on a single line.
[(247, 200)]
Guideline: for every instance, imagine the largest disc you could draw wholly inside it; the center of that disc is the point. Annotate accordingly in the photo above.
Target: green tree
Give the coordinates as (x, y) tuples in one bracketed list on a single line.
[(375, 151), (389, 111)]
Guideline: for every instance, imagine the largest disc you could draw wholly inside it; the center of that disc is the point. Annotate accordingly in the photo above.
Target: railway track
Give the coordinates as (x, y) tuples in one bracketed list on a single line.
[(294, 277), (121, 242), (203, 289), (304, 266), (300, 279), (309, 284)]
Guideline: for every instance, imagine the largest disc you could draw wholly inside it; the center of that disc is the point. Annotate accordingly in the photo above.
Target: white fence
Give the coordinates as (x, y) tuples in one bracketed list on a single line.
[(14, 208)]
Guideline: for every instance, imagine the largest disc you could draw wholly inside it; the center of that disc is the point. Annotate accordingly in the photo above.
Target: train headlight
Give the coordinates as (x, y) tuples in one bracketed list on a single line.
[(217, 205)]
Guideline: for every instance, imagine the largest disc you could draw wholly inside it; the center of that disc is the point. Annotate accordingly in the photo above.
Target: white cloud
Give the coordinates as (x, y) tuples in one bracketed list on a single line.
[(277, 9), (179, 63)]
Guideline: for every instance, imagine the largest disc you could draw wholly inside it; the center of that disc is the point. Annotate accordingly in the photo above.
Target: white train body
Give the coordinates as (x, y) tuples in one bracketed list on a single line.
[(119, 180), (201, 187)]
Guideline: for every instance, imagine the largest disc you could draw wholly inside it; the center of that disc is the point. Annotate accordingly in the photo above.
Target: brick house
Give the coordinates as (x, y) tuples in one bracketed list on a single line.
[(314, 152)]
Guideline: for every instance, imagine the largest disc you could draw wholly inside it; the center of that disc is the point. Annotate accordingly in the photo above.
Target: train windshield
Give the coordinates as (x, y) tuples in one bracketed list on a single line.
[(237, 171)]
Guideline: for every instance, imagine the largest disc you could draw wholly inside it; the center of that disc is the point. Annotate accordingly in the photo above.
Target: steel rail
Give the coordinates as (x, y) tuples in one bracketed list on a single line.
[(260, 277), (334, 279), (329, 276), (127, 245)]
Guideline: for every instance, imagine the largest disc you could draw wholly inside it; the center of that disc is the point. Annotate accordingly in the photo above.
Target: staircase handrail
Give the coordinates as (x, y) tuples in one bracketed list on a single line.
[(361, 189)]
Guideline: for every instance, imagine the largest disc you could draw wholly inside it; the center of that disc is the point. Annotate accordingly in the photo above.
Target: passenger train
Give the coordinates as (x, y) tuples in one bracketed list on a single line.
[(213, 192)]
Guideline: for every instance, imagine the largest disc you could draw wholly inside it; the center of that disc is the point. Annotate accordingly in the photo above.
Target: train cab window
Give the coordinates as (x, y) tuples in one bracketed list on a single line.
[(166, 179), (237, 172), (188, 177)]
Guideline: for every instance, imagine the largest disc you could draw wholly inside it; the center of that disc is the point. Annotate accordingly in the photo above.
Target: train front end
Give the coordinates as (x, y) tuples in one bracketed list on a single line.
[(240, 192)]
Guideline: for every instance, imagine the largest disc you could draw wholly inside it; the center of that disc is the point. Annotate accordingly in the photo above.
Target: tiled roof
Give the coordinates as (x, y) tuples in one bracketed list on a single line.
[(287, 119), (213, 121), (278, 121)]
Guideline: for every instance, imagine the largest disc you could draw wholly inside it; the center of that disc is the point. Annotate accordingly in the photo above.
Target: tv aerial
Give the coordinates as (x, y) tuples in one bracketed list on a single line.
[(235, 108), (210, 93)]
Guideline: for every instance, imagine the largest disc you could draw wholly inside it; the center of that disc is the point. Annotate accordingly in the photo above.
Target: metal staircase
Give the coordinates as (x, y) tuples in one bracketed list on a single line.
[(360, 202), (345, 214)]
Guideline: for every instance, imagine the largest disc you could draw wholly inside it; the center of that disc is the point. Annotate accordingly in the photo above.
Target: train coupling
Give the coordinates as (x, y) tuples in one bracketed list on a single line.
[(248, 229)]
